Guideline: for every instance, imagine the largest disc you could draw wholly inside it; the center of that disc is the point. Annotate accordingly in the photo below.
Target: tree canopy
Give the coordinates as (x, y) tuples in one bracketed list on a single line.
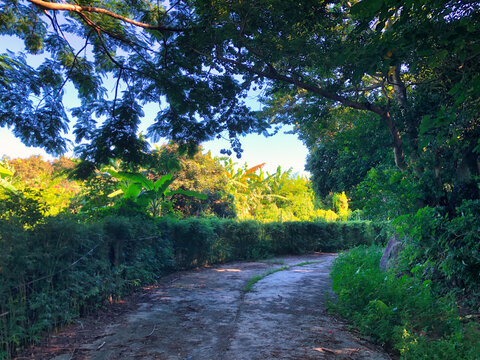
[(412, 64)]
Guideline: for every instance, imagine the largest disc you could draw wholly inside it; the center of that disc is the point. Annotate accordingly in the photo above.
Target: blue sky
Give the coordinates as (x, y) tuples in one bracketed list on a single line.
[(282, 149)]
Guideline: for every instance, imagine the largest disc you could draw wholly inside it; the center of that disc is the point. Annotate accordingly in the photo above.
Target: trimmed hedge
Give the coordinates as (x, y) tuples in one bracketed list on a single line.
[(63, 268), (197, 242)]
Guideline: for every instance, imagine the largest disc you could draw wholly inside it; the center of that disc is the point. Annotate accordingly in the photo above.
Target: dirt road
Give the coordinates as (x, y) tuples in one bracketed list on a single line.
[(207, 315)]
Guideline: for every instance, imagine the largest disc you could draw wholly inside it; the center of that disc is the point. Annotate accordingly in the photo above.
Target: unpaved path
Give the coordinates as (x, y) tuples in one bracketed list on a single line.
[(206, 315)]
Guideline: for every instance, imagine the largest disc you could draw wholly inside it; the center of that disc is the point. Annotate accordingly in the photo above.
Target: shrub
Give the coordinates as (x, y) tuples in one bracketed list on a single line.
[(402, 313), (445, 249), (62, 268)]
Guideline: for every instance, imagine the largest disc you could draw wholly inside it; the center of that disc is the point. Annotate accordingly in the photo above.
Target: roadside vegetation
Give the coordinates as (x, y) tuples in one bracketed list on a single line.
[(405, 313), (71, 245), (384, 94)]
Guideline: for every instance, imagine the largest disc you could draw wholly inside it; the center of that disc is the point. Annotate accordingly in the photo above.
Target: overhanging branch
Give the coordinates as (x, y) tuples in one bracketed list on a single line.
[(92, 9), (273, 74)]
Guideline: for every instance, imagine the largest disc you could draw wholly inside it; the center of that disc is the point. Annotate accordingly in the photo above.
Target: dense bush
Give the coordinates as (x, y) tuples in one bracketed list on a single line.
[(386, 193), (63, 268), (402, 313), (445, 249)]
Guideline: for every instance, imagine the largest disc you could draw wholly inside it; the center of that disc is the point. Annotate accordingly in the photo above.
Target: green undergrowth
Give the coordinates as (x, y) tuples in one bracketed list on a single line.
[(250, 283), (403, 313), (445, 248), (63, 268)]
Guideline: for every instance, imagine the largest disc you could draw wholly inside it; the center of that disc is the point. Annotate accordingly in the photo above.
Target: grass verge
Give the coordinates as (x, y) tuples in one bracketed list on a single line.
[(249, 286)]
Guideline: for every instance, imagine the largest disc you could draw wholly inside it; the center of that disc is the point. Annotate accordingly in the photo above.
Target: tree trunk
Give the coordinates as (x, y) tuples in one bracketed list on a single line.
[(411, 125), (397, 141), (399, 88)]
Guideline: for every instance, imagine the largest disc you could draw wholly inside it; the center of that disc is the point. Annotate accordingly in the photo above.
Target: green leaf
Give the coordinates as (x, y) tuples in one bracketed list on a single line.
[(366, 8), (145, 198), (133, 191), (115, 193), (426, 124), (477, 148), (137, 178), (115, 174), (189, 193), (5, 171), (163, 183)]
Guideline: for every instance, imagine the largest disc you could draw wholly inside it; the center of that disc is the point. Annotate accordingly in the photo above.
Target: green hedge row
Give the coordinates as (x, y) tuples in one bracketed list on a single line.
[(63, 268), (197, 242)]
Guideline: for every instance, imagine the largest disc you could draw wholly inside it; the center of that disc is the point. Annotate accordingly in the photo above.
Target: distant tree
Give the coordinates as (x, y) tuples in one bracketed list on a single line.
[(46, 180), (280, 196), (203, 173)]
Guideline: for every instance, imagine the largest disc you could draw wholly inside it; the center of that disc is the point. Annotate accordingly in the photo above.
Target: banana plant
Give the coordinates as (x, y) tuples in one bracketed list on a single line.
[(148, 193)]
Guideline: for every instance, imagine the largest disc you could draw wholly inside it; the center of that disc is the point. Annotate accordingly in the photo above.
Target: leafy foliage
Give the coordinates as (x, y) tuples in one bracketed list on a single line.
[(201, 173), (34, 188), (48, 180), (445, 249), (387, 193), (6, 178), (61, 269), (343, 149), (26, 206), (281, 196), (403, 313), (410, 66), (153, 66)]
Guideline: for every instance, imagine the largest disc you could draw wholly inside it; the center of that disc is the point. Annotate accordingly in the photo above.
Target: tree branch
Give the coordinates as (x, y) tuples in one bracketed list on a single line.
[(74, 63), (92, 9), (98, 30), (273, 74), (116, 93)]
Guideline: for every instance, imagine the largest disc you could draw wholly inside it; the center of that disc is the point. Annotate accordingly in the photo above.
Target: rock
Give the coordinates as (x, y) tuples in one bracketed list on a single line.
[(390, 254)]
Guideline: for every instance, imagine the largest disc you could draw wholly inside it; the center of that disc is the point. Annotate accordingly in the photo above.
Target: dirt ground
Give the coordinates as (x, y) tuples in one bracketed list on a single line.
[(206, 314)]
